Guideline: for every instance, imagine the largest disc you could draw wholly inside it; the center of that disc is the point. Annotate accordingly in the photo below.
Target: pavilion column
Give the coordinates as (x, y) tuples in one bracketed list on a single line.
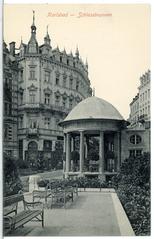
[(81, 151), (118, 150), (101, 153), (64, 151), (68, 149), (72, 144)]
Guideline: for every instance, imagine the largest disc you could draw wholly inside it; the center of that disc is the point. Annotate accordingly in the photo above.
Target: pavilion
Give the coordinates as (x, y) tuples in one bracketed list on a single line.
[(93, 117)]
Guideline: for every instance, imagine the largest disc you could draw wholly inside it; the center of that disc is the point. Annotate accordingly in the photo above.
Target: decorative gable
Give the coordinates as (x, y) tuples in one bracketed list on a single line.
[(32, 88)]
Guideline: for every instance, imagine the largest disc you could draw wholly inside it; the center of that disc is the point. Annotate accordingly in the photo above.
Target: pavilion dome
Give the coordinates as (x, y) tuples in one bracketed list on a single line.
[(94, 108)]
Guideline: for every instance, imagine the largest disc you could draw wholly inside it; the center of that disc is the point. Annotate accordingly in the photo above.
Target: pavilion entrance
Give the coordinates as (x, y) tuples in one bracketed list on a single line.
[(91, 153)]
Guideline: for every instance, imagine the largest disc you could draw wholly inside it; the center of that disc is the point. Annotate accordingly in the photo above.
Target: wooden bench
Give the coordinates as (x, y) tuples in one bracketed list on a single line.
[(15, 216), (62, 196), (42, 194)]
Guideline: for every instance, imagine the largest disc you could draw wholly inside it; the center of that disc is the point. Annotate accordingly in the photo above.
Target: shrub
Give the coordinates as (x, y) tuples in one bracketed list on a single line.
[(23, 164), (133, 188), (12, 182), (75, 156), (43, 183), (93, 155)]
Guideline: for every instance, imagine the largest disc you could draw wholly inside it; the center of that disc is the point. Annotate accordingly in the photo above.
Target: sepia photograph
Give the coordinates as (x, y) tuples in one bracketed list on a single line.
[(76, 119)]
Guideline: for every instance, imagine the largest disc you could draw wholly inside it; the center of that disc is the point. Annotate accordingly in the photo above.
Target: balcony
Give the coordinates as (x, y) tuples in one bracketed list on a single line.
[(32, 131), (143, 118), (50, 132), (39, 131), (40, 106)]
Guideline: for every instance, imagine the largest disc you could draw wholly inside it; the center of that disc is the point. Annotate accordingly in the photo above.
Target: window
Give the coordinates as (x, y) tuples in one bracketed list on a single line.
[(21, 122), (57, 80), (60, 58), (47, 99), (148, 93), (57, 121), (21, 75), (145, 95), (32, 74), (135, 152), (33, 123), (5, 131), (70, 103), (64, 81), (32, 97), (71, 83), (135, 139), (47, 144), (64, 102), (148, 109), (47, 122), (21, 149), (47, 76), (141, 98), (77, 85), (138, 152), (67, 62), (74, 64), (20, 98), (33, 146), (7, 109), (8, 132), (132, 153), (57, 100)]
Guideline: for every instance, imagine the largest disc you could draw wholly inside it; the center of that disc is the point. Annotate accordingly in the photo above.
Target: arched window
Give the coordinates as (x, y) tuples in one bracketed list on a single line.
[(32, 146), (135, 139)]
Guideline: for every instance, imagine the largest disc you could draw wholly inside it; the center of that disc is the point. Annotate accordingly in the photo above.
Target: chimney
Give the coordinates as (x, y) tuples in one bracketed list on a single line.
[(12, 48)]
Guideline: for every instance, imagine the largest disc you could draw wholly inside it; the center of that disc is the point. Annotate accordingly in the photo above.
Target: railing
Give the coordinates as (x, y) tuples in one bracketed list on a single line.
[(40, 131), (43, 106), (32, 131), (143, 117)]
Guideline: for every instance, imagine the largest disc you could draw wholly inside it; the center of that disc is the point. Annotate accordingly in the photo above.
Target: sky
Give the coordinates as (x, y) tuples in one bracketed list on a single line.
[(116, 43)]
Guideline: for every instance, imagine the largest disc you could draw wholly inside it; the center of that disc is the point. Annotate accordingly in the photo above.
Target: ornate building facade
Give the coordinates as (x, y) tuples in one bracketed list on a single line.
[(10, 96), (137, 137), (49, 84), (140, 105)]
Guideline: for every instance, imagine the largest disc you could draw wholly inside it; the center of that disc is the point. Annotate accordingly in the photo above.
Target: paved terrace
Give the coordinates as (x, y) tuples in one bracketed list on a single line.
[(92, 213)]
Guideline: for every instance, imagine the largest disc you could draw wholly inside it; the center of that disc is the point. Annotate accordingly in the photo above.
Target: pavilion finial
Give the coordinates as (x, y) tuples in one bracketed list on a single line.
[(93, 91), (33, 17), (47, 28)]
